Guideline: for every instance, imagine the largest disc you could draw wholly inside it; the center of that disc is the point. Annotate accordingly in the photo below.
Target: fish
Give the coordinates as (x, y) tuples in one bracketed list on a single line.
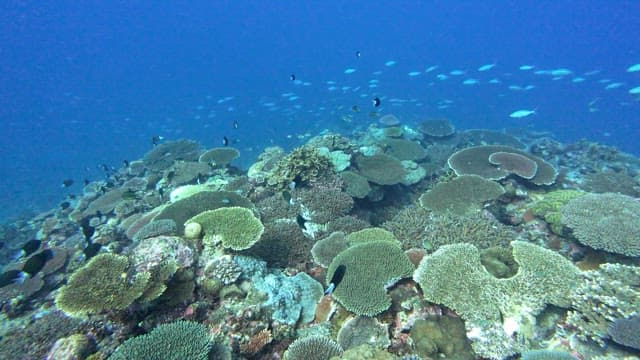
[(292, 77), (355, 108), (413, 73), (337, 277), (526, 67), (350, 71), (358, 54), (486, 67), (67, 182), (376, 101), (431, 68), (301, 222), (470, 82), (12, 276), (235, 124), (130, 195), (37, 261), (456, 72), (635, 90), (225, 141), (87, 182), (634, 68), (614, 85), (28, 248), (390, 63), (65, 205), (155, 140), (91, 250), (561, 72), (521, 113)]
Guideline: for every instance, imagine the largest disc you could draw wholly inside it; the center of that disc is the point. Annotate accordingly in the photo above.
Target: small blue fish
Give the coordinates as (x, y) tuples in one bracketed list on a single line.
[(521, 113)]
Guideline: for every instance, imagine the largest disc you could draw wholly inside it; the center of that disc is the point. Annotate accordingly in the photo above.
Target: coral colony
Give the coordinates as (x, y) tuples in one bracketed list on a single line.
[(400, 242)]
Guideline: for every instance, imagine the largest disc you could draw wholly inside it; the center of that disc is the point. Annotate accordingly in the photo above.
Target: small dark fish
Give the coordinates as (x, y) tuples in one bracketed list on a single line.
[(225, 141), (235, 124), (170, 175), (10, 277), (338, 274), (161, 192), (67, 182), (87, 182), (355, 108), (31, 246), (358, 54), (91, 250), (87, 230), (301, 221), (65, 205), (125, 162), (292, 77), (156, 140), (376, 101), (36, 262), (72, 196), (286, 195)]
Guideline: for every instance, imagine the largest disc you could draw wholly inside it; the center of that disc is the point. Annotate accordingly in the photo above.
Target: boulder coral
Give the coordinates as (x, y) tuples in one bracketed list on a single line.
[(236, 227), (370, 268)]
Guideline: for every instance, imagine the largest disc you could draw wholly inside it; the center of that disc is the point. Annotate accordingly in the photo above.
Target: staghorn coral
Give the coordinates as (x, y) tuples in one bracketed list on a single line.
[(499, 314), (461, 195), (104, 283), (609, 222), (323, 202), (347, 224), (475, 229), (371, 268), (607, 294), (408, 225), (236, 227), (276, 207), (313, 348), (174, 341), (282, 244)]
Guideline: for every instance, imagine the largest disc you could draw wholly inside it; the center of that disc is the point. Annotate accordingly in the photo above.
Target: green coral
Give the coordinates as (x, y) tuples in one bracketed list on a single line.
[(404, 149), (236, 227), (461, 195), (370, 268), (371, 234), (475, 229), (549, 207), (174, 341), (609, 222), (301, 166), (363, 330), (104, 283), (190, 206), (313, 348), (408, 226), (495, 309), (442, 337), (355, 184), (323, 251)]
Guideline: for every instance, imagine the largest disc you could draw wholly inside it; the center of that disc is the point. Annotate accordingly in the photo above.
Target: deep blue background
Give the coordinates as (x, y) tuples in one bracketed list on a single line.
[(85, 83)]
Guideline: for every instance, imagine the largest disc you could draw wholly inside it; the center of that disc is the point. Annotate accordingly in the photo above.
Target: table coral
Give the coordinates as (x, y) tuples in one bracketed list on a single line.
[(236, 227)]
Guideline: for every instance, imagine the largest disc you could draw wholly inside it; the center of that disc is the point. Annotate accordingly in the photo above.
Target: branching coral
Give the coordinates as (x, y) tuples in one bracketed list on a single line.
[(301, 166)]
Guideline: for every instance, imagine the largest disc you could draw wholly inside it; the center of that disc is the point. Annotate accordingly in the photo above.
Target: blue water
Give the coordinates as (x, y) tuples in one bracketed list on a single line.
[(87, 83)]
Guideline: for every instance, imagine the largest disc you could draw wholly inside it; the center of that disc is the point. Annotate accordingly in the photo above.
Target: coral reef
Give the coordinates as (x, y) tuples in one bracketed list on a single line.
[(371, 234), (404, 149), (178, 340), (219, 156), (461, 195), (363, 330), (301, 166), (236, 227), (408, 226), (626, 332), (371, 268), (104, 283), (546, 355), (609, 222), (443, 337), (156, 228), (514, 164), (380, 169), (355, 185), (324, 250), (313, 348), (164, 155), (550, 205), (437, 128), (475, 229), (323, 202)]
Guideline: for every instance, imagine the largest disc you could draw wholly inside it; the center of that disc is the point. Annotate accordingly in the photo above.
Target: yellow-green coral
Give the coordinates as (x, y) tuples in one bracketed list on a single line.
[(104, 283), (236, 227), (313, 348), (549, 207), (371, 234), (462, 195), (370, 268), (303, 165)]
